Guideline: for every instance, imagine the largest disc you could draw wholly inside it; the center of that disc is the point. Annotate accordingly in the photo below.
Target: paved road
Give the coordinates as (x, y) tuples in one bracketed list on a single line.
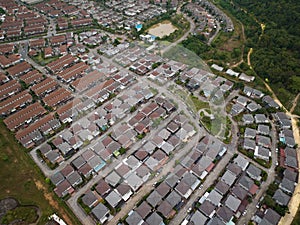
[(215, 34), (192, 28)]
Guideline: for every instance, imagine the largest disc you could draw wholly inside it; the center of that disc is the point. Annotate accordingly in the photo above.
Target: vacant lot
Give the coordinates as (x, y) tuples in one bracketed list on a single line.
[(22, 179), (162, 29)]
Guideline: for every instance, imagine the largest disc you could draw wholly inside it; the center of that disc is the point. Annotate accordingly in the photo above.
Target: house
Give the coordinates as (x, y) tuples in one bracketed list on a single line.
[(225, 214), (253, 106), (290, 175), (281, 198), (143, 210), (124, 191), (261, 118), (86, 170), (222, 187), (271, 216), (134, 181), (163, 189), (67, 170), (239, 192), (89, 199), (166, 210), (78, 162), (63, 188), (263, 129), (173, 198), (250, 133), (57, 178), (241, 162), (101, 213), (155, 219), (262, 153), (113, 179), (236, 109), (207, 208), (154, 199), (254, 172), (263, 141), (75, 179), (242, 100), (103, 188), (184, 189), (228, 178), (191, 180), (248, 119), (215, 221), (215, 198), (246, 183), (113, 199), (198, 218), (233, 203), (287, 186), (234, 168), (134, 218), (270, 102)]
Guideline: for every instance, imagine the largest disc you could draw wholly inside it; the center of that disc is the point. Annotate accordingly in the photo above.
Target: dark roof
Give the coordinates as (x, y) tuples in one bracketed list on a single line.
[(173, 198), (163, 189), (89, 198), (207, 208), (234, 168), (281, 198), (133, 219), (239, 192), (102, 187), (100, 211), (272, 216), (154, 198), (290, 175), (165, 209), (143, 209), (222, 187), (154, 219), (225, 214)]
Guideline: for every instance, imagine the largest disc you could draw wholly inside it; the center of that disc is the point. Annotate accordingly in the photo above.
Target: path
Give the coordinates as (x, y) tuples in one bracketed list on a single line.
[(215, 34), (295, 103), (248, 57)]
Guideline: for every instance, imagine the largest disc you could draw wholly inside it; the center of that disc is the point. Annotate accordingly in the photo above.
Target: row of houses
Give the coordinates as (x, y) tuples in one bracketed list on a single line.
[(228, 197)]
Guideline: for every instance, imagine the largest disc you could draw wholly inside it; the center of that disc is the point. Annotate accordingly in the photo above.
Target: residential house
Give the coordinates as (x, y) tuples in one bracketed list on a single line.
[(281, 198), (113, 199), (89, 199), (101, 213)]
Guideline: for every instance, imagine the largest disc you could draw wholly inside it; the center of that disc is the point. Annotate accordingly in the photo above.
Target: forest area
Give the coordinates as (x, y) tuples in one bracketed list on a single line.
[(276, 55), (272, 30)]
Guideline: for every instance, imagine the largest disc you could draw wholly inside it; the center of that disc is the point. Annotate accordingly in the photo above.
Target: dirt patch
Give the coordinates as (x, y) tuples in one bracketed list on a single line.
[(48, 196), (162, 29)]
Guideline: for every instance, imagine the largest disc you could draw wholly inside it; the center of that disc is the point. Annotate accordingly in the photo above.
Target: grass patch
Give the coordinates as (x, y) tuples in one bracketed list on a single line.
[(296, 220), (42, 61), (22, 179), (26, 214), (186, 56)]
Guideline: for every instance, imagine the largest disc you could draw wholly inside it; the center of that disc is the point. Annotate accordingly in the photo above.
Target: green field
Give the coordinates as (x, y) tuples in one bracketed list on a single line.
[(22, 179), (184, 55)]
